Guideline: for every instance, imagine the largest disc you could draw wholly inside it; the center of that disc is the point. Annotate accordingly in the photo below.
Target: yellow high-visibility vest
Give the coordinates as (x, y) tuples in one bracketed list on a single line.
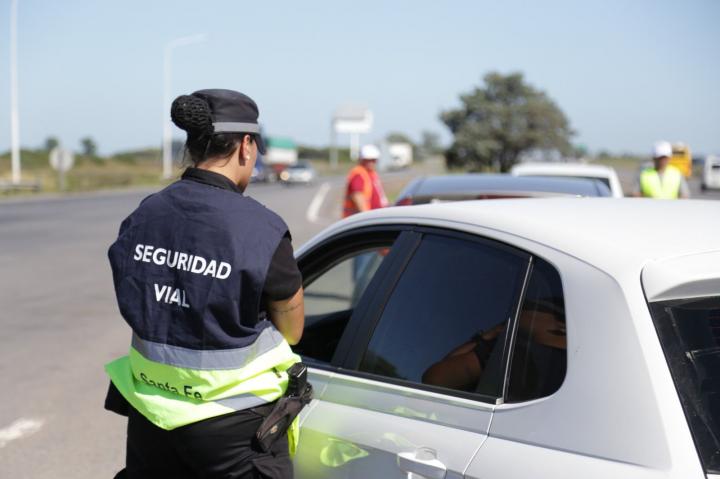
[(668, 188)]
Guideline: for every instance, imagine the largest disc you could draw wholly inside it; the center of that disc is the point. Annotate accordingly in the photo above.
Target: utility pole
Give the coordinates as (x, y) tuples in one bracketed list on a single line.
[(167, 87), (14, 118)]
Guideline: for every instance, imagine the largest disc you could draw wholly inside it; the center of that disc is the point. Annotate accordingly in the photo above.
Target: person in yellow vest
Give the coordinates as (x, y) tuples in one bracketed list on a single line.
[(206, 279), (662, 181), (364, 190)]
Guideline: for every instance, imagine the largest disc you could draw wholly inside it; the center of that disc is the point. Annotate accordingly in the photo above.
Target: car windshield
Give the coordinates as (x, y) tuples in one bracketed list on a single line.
[(689, 331)]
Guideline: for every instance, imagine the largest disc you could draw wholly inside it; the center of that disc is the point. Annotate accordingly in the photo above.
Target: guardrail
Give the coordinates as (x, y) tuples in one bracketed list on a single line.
[(7, 187)]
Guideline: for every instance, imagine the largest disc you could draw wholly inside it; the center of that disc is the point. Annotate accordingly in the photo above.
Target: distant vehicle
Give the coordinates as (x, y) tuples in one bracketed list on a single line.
[(434, 189), (301, 172), (711, 173), (281, 151), (682, 159), (260, 172), (401, 155), (576, 170), (544, 339)]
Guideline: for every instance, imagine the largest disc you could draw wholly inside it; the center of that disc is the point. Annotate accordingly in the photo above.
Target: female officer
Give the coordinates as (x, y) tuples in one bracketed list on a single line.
[(206, 279)]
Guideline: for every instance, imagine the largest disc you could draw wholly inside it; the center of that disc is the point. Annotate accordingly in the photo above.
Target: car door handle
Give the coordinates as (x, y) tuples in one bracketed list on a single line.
[(422, 462)]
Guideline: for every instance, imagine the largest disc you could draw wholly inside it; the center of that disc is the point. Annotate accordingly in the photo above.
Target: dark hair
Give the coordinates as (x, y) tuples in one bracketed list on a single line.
[(192, 114)]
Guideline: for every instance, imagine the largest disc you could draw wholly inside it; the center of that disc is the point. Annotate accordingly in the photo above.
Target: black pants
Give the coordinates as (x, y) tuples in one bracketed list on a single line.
[(220, 447)]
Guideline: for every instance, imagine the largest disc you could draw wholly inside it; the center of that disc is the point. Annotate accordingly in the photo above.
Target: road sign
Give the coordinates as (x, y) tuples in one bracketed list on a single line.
[(352, 119), (61, 159)]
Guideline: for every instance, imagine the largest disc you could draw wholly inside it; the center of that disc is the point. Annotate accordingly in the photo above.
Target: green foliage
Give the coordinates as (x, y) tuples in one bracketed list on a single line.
[(429, 144), (51, 142), (396, 137), (31, 160), (148, 155), (322, 153), (502, 120), (132, 168), (88, 146)]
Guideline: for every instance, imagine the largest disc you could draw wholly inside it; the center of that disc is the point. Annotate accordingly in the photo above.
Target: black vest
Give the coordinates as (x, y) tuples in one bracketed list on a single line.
[(189, 266)]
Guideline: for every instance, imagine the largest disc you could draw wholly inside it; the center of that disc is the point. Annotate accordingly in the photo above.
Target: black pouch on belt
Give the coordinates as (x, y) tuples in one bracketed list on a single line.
[(299, 394)]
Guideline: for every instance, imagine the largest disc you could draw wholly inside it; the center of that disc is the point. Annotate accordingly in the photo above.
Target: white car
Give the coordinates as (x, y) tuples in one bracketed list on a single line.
[(543, 338), (711, 173), (300, 173), (603, 173)]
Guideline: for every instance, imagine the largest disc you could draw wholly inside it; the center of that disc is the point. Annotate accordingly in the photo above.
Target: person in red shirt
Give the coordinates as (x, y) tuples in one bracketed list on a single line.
[(364, 190)]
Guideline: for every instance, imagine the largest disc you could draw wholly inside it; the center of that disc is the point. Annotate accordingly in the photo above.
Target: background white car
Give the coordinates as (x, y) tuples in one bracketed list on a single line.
[(300, 173), (711, 173), (544, 338), (603, 173)]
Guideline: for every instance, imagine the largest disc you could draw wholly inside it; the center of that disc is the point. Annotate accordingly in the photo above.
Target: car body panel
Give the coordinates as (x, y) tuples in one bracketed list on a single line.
[(501, 458), (376, 421), (365, 443), (687, 276), (575, 170)]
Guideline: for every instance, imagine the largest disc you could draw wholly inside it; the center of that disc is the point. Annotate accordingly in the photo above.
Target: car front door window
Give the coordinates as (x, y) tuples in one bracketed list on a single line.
[(446, 320), (332, 295)]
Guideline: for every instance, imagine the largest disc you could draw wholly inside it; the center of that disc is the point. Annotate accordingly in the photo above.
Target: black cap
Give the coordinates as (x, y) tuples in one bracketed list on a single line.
[(233, 112)]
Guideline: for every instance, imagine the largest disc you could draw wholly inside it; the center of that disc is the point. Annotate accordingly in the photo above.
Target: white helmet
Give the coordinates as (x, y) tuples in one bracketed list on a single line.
[(662, 148), (369, 152)]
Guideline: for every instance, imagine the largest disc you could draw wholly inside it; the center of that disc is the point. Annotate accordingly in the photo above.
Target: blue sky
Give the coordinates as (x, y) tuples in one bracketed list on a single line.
[(626, 73)]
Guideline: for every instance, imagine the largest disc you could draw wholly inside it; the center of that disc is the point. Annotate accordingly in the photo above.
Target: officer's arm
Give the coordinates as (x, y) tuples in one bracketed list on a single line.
[(360, 202), (288, 316)]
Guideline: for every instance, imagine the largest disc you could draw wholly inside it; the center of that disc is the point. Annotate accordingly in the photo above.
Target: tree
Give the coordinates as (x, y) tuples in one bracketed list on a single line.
[(89, 147), (51, 142), (396, 137), (430, 143), (502, 120)]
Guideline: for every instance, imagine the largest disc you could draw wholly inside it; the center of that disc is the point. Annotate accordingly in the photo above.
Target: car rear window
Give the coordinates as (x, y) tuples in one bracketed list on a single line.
[(540, 351), (689, 331)]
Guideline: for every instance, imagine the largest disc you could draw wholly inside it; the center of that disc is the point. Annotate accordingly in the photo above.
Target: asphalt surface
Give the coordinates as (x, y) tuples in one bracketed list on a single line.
[(60, 323)]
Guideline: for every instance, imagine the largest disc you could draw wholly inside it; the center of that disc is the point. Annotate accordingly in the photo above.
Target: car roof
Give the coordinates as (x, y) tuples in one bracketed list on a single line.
[(570, 169), (613, 234), (474, 184)]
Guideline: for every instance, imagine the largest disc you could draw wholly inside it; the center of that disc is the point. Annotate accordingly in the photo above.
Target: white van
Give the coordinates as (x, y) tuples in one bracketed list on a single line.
[(711, 173)]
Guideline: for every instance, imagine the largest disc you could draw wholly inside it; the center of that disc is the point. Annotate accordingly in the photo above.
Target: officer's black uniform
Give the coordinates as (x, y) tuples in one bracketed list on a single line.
[(204, 214)]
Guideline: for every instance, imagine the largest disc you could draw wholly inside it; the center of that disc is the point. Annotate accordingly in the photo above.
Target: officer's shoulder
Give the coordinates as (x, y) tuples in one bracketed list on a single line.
[(265, 213)]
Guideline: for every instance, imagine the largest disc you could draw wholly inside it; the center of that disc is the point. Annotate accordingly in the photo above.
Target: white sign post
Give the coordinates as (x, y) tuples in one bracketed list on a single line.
[(353, 120), (61, 160)]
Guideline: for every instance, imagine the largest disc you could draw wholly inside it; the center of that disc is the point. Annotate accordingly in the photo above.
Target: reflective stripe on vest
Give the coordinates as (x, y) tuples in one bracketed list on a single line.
[(652, 187), (174, 386), (349, 206)]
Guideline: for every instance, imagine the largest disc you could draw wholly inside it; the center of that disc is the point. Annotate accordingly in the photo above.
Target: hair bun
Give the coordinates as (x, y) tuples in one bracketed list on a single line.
[(191, 113)]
